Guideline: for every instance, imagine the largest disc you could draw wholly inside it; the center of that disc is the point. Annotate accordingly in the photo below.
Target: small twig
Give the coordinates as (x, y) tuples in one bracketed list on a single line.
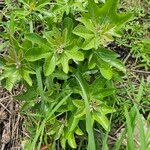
[(140, 71), (17, 123), (5, 108), (4, 98), (134, 101), (144, 106), (3, 146), (119, 129)]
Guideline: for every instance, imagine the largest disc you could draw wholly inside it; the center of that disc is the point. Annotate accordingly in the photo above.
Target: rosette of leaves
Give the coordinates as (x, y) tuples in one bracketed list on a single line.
[(15, 68), (98, 27), (58, 47), (31, 7), (62, 7), (100, 24), (97, 95)]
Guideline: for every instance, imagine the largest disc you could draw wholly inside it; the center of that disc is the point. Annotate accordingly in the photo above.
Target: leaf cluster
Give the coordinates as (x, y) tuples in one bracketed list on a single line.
[(58, 50)]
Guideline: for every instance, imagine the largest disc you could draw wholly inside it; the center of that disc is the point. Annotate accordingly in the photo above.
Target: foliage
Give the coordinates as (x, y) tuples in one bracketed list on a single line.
[(137, 37), (58, 50)]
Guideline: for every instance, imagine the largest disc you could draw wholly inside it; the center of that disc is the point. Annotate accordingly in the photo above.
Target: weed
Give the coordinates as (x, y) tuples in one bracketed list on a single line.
[(58, 50)]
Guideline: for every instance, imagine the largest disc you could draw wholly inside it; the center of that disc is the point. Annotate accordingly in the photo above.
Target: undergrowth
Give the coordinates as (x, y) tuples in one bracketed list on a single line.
[(77, 89)]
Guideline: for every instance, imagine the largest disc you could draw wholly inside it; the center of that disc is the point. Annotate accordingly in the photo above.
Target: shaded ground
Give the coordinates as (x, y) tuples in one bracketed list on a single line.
[(11, 129)]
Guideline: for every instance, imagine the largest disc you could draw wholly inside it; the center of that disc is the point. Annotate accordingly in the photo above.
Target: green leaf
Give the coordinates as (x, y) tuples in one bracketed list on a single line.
[(35, 38), (90, 43), (75, 55), (78, 131), (98, 85), (11, 80), (71, 140), (12, 24), (80, 30), (142, 136), (68, 24), (58, 105), (120, 140), (64, 62), (87, 22), (73, 122), (101, 119), (104, 68), (91, 63), (59, 74), (36, 54), (11, 75), (59, 132), (80, 112), (40, 86), (14, 43), (3, 45), (111, 58), (129, 131), (78, 103), (103, 93), (107, 13), (63, 142), (107, 73), (104, 109), (101, 24), (50, 64), (39, 133), (27, 78), (29, 95)]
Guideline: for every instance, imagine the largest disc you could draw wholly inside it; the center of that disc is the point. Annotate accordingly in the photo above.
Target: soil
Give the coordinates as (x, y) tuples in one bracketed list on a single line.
[(11, 130)]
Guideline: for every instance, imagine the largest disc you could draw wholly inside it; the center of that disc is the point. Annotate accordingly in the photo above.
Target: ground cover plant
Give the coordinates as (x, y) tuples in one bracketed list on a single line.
[(76, 87)]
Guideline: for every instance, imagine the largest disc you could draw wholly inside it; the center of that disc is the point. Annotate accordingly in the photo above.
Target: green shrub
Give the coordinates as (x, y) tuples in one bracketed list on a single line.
[(58, 50)]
